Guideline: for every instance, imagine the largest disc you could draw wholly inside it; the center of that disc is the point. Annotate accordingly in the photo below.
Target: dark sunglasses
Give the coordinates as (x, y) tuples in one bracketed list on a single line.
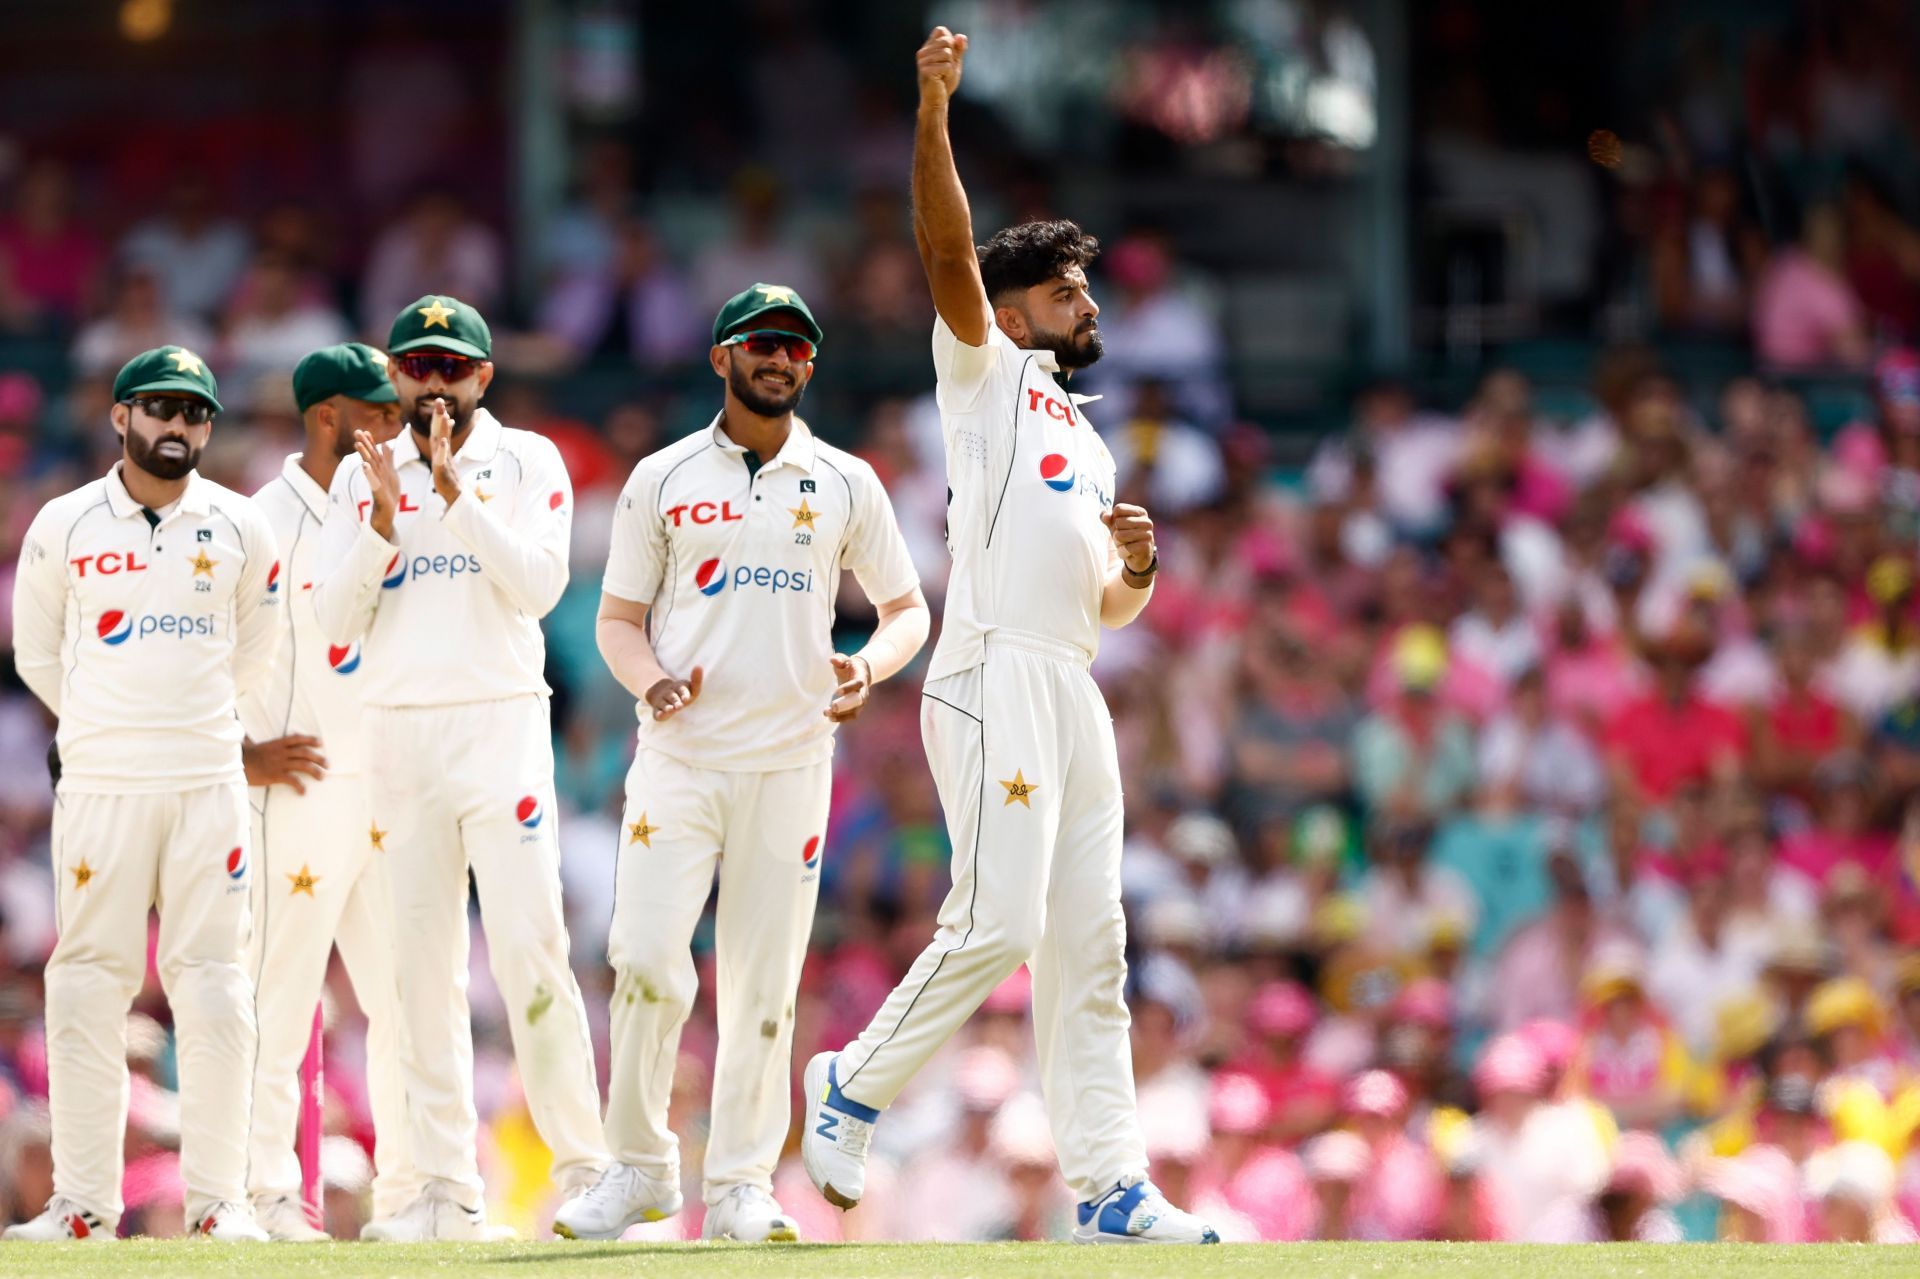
[(764, 342), (451, 368), (168, 407)]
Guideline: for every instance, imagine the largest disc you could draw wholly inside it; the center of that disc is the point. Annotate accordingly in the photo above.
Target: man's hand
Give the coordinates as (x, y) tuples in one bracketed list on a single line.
[(670, 696), (856, 684), (283, 761), (446, 480), (939, 62), (1132, 533), (382, 479)]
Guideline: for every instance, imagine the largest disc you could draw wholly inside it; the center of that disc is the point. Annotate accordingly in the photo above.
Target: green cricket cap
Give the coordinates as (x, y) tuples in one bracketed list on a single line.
[(167, 368), (757, 301), (440, 323), (352, 369)]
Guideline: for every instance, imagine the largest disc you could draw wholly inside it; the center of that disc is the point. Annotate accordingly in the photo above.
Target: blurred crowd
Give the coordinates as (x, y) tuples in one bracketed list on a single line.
[(1521, 833)]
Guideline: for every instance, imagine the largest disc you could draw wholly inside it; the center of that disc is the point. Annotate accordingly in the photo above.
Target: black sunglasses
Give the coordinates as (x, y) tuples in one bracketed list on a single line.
[(168, 407)]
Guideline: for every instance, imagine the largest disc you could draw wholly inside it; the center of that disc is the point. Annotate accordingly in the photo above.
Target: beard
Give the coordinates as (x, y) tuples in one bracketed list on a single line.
[(1074, 350), (459, 413), (145, 454), (759, 397)]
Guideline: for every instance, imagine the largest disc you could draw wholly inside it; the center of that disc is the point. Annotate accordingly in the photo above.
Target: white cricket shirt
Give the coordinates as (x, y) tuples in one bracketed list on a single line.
[(741, 571), (452, 613), (1027, 480), (141, 637), (315, 686)]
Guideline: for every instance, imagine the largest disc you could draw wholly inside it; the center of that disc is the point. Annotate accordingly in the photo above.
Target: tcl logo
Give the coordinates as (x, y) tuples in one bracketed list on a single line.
[(1040, 401), (107, 563), (704, 513), (406, 506)]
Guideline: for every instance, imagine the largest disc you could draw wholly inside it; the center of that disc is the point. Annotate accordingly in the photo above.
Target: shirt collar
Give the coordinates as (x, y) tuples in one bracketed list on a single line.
[(196, 500), (483, 441), (304, 486), (798, 451)]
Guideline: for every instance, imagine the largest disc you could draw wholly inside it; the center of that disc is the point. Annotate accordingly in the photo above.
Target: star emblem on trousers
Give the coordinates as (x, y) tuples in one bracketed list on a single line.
[(377, 837), (82, 874), (1019, 788), (641, 833), (803, 515), (303, 882)]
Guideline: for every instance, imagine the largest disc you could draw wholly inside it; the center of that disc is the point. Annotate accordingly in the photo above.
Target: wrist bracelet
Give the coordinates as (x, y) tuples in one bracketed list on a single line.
[(1128, 571)]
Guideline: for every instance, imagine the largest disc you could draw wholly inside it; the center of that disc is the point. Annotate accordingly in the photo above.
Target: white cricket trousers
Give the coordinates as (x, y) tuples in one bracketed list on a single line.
[(1022, 751), (185, 854), (321, 883), (470, 787), (766, 832)]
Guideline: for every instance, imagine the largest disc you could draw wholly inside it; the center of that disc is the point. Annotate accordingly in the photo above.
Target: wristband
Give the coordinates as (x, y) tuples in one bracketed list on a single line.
[(1128, 572)]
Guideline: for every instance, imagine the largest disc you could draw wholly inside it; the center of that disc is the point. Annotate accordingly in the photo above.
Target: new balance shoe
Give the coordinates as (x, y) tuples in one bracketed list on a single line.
[(749, 1214), (1134, 1211), (229, 1222), (63, 1220), (624, 1196), (833, 1144), (285, 1220), (435, 1213)]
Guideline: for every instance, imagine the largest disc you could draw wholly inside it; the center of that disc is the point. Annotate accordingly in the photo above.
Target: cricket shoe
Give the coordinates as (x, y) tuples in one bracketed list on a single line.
[(285, 1220), (229, 1222), (1134, 1211), (749, 1214), (833, 1142), (63, 1220), (624, 1196), (434, 1214)]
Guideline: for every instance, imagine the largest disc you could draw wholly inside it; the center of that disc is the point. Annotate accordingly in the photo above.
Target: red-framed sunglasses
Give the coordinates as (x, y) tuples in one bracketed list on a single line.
[(762, 343), (422, 367)]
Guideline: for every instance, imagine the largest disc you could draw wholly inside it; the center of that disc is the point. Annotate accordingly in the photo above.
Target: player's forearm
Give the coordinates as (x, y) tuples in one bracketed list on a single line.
[(939, 200), (41, 673), (1120, 602), (629, 654), (898, 636), (343, 597)]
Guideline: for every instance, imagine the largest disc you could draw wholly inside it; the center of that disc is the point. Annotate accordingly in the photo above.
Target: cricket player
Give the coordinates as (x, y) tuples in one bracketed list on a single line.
[(144, 608), (439, 556), (321, 881), (1018, 737), (717, 613)]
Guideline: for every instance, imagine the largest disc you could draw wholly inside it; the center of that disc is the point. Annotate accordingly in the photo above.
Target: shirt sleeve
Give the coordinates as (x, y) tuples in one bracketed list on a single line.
[(523, 551), (964, 372), (876, 551), (353, 559), (40, 609), (636, 562), (256, 609)]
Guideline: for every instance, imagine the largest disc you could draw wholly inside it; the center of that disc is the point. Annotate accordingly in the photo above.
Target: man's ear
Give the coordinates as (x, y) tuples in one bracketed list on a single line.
[(122, 418), (721, 361), (1013, 322), (484, 374)]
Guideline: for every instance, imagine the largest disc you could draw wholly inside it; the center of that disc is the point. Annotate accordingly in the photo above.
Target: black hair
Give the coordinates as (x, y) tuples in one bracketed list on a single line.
[(1019, 257)]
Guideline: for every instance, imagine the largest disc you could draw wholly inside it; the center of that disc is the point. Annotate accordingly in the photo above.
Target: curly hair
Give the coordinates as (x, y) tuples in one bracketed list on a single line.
[(1019, 257)]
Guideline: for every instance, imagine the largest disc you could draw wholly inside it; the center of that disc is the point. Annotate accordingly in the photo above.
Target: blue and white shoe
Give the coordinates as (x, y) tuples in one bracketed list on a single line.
[(833, 1144), (1134, 1211)]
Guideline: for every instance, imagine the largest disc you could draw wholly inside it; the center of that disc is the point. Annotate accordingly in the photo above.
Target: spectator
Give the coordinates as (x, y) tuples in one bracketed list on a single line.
[(757, 246), (633, 306), (1156, 329), (1805, 314), (272, 326), (48, 259), (138, 319), (1413, 757), (198, 254), (436, 245)]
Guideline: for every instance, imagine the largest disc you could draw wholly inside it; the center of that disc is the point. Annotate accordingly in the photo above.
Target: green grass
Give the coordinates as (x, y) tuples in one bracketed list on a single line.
[(977, 1261)]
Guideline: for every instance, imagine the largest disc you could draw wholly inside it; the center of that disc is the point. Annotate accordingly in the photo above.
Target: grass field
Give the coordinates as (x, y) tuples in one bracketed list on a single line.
[(979, 1261)]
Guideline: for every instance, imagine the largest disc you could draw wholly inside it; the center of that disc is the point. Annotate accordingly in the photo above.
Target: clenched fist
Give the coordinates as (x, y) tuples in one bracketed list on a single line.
[(939, 61)]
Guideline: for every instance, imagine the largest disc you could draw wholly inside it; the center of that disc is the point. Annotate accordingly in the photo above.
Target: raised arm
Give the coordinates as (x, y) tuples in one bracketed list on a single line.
[(942, 223)]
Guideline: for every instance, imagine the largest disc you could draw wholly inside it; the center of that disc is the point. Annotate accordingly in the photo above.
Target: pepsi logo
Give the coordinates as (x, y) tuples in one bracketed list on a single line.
[(345, 659), (114, 626), (237, 864), (810, 855), (710, 577), (396, 573), (528, 811), (273, 579), (1057, 472)]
